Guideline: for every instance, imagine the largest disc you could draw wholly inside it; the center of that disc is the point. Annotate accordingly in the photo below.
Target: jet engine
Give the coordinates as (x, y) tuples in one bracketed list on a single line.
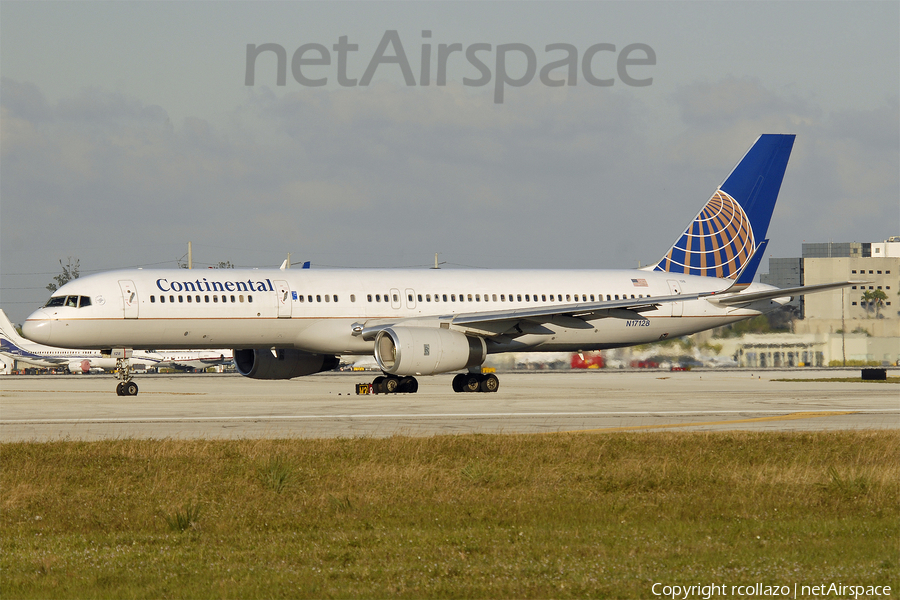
[(281, 363), (79, 367), (408, 351)]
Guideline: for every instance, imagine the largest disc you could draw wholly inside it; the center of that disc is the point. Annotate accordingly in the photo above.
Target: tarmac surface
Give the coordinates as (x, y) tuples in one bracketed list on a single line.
[(86, 407)]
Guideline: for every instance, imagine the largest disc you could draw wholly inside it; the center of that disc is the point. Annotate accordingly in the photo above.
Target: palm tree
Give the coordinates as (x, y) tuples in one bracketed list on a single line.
[(874, 298)]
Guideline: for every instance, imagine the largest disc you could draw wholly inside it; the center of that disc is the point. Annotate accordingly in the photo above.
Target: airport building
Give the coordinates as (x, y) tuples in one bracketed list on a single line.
[(839, 324)]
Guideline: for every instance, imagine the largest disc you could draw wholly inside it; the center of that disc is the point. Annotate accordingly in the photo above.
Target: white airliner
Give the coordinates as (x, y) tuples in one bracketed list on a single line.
[(289, 323), (195, 359), (15, 347)]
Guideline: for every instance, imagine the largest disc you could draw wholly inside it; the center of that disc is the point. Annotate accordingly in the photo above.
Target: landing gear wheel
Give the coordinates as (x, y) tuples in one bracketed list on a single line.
[(471, 382), (458, 382), (119, 390), (490, 383), (408, 385), (130, 389), (378, 385), (391, 384)]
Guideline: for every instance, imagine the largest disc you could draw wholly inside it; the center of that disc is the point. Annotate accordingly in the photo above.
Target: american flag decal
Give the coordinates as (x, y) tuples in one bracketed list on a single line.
[(639, 282)]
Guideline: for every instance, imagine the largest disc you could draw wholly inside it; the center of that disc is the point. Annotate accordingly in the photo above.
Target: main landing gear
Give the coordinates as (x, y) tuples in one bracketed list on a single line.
[(476, 382), (464, 382), (391, 384), (125, 372)]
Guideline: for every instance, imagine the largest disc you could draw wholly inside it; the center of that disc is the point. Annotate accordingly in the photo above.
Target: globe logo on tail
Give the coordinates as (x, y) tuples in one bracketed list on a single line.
[(717, 243)]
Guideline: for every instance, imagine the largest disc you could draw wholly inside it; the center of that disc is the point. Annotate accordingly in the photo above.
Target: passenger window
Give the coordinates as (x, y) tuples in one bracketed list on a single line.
[(318, 298), (477, 297), (335, 298), (445, 297), (352, 297), (617, 296), (249, 298), (592, 297), (518, 297), (396, 298), (427, 297), (232, 298), (568, 298), (377, 297), (190, 298), (206, 298), (608, 298), (181, 299), (152, 300), (502, 297), (301, 298), (162, 299), (494, 297), (241, 298), (215, 297)]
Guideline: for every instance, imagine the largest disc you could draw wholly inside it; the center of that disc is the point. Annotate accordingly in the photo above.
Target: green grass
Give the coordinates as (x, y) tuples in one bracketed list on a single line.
[(485, 516), (844, 380)]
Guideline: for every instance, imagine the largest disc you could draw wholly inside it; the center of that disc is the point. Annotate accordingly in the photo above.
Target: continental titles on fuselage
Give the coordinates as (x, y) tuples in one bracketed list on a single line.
[(214, 286)]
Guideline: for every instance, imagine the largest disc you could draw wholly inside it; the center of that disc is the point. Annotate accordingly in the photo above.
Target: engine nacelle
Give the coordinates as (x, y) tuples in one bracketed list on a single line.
[(426, 350), (80, 366), (281, 363)]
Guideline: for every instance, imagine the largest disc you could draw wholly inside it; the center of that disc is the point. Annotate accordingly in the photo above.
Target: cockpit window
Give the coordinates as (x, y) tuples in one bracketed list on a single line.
[(70, 301)]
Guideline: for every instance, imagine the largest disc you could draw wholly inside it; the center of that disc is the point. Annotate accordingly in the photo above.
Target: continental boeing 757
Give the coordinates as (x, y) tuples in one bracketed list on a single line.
[(290, 323)]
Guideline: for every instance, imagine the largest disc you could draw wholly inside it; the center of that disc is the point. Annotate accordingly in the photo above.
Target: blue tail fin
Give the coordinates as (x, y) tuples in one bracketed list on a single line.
[(725, 235)]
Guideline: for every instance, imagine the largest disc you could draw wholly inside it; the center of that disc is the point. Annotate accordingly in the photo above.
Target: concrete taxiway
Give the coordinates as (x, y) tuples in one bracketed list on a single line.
[(44, 408)]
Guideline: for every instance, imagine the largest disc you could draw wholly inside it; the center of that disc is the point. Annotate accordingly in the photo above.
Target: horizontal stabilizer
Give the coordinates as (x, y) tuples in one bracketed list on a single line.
[(745, 298)]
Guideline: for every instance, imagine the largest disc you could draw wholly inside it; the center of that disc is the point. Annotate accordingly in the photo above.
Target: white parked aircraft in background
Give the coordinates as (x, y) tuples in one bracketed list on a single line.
[(289, 323), (195, 359), (16, 348)]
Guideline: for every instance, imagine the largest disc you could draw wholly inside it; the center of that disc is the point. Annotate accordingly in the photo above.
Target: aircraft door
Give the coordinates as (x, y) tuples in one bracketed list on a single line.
[(129, 298), (283, 299), (675, 289)]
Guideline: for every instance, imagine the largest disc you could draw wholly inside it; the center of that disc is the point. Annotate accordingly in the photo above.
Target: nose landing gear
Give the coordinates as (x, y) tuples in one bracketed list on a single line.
[(124, 372)]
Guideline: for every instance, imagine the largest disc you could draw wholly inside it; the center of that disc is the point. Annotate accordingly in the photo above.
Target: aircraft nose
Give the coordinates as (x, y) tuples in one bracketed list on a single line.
[(37, 327)]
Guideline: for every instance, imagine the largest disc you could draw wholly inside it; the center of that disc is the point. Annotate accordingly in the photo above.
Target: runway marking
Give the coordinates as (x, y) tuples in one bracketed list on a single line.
[(788, 417), (188, 419)]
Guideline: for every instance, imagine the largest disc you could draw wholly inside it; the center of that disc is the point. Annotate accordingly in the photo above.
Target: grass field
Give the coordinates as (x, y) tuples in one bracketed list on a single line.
[(485, 516)]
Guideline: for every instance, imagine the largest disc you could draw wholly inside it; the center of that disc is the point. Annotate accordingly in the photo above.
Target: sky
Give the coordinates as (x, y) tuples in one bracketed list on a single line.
[(128, 129)]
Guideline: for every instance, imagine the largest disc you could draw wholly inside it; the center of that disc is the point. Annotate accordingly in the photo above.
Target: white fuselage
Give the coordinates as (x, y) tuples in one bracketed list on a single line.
[(317, 310)]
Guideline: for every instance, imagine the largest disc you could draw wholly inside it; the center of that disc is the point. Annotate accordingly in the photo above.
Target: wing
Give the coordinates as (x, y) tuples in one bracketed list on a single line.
[(529, 320)]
